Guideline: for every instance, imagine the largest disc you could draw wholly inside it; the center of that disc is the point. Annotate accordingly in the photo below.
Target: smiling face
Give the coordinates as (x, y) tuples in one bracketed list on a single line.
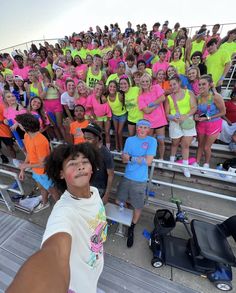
[(9, 99), (79, 112), (174, 86), (124, 85), (145, 82), (204, 86), (35, 104), (161, 75), (76, 172), (112, 88), (81, 87), (142, 131), (70, 87), (98, 90), (192, 74)]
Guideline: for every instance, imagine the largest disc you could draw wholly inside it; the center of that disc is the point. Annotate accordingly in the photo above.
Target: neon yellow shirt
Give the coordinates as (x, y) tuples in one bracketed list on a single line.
[(95, 51), (197, 46), (155, 59), (229, 47), (216, 64), (92, 79), (82, 53), (116, 106), (6, 72), (184, 104), (179, 65), (170, 43), (113, 76), (131, 104), (105, 50)]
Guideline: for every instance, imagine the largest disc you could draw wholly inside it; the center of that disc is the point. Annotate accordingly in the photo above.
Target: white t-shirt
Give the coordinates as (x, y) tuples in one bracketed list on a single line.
[(68, 100), (85, 221)]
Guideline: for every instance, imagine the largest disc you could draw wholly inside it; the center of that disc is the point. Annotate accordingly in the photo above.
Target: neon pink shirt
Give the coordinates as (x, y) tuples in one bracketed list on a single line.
[(168, 55), (80, 70), (99, 110), (158, 66), (41, 122), (23, 72), (195, 87), (157, 118), (10, 113), (112, 64), (61, 83), (83, 101)]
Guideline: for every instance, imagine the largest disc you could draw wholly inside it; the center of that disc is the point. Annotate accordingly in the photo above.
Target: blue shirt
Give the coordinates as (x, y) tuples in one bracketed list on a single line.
[(138, 147)]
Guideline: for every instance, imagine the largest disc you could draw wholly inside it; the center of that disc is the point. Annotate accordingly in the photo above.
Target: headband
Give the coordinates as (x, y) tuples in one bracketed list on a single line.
[(143, 122)]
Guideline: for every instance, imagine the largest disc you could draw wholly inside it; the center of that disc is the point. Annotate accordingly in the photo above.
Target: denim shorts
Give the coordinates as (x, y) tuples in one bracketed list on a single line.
[(121, 118), (43, 180)]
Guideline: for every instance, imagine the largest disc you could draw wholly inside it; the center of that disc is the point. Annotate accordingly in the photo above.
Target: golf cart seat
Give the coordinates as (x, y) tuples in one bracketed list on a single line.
[(211, 240)]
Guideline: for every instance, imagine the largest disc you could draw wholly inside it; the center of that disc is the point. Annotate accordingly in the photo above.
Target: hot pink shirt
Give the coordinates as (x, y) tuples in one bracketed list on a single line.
[(157, 118), (157, 66), (168, 55), (80, 70), (61, 83), (99, 110), (23, 72), (195, 87), (10, 113), (83, 101), (112, 63)]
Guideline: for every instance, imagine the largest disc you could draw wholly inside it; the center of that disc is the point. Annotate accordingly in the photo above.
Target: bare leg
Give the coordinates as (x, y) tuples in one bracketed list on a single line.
[(116, 125), (207, 148), (201, 142), (120, 135), (161, 141), (131, 129), (185, 143), (174, 146), (54, 192)]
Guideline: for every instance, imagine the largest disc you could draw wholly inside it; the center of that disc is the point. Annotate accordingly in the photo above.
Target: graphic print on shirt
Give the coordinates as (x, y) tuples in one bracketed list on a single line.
[(145, 145), (99, 235)]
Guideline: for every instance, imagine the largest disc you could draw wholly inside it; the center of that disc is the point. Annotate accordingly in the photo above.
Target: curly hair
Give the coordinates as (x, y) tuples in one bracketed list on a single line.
[(54, 162)]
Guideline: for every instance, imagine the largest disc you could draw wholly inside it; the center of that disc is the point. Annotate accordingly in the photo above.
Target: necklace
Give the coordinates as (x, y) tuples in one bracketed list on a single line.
[(79, 198)]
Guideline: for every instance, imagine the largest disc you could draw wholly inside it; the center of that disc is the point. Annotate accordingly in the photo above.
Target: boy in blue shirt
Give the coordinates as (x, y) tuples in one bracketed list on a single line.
[(138, 154)]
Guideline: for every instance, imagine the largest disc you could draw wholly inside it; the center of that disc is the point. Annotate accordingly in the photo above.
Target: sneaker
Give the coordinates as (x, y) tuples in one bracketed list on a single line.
[(4, 159), (16, 163), (195, 164), (160, 165), (187, 173), (205, 166), (41, 207), (130, 239)]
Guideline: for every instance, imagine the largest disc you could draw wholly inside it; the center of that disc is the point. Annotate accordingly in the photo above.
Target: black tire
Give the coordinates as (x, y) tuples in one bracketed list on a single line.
[(157, 262), (223, 285)]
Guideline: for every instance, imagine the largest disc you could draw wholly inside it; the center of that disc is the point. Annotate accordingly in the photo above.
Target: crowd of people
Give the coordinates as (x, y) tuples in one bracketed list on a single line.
[(77, 91)]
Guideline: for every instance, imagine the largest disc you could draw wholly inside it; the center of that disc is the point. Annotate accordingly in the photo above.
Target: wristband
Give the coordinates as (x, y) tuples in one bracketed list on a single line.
[(152, 105), (144, 161), (222, 78), (46, 89), (171, 117)]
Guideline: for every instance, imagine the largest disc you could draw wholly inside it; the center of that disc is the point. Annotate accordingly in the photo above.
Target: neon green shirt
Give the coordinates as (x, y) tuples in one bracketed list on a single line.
[(131, 104), (116, 106), (216, 64), (229, 47), (179, 65), (197, 46), (184, 105)]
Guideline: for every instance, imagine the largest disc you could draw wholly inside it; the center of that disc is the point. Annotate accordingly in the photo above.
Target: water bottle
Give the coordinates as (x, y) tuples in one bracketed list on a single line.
[(220, 168), (121, 206)]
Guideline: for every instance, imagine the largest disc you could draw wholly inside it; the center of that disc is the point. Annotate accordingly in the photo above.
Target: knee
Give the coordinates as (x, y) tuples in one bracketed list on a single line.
[(207, 148)]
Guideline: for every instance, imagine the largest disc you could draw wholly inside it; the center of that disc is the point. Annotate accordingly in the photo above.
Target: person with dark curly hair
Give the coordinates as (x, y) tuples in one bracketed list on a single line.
[(71, 255)]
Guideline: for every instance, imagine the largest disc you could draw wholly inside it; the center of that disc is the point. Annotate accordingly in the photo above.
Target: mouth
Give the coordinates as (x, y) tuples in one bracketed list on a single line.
[(81, 175)]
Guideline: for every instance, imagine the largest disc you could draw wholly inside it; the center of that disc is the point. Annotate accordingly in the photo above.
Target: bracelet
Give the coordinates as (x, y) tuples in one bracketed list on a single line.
[(46, 89), (222, 78)]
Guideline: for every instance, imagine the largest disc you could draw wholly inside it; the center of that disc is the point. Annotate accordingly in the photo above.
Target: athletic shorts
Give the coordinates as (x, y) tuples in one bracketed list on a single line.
[(131, 123), (209, 127), (43, 180), (132, 191), (102, 118), (7, 141), (121, 118), (53, 106), (175, 131)]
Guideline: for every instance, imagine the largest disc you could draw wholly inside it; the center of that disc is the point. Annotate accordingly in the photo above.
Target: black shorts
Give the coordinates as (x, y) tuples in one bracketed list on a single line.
[(7, 141), (131, 123)]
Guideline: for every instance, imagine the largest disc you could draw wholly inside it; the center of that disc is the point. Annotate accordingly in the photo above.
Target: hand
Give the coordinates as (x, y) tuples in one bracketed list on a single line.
[(125, 158), (219, 83), (14, 126), (105, 198), (196, 117), (21, 175), (23, 166), (182, 118)]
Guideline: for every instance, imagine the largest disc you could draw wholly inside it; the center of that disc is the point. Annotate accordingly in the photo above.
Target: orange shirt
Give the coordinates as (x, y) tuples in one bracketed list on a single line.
[(76, 130), (37, 148), (4, 129)]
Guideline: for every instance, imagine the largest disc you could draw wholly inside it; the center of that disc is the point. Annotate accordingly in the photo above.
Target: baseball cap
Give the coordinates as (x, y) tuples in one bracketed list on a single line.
[(93, 128)]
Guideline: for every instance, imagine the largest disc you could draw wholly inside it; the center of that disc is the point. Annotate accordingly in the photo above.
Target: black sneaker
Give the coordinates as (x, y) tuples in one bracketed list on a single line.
[(4, 159), (130, 240)]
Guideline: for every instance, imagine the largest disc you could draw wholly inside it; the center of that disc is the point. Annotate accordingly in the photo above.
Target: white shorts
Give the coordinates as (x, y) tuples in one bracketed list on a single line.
[(175, 131)]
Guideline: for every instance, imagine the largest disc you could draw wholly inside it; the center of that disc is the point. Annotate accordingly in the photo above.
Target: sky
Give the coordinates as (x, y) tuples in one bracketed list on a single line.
[(25, 20)]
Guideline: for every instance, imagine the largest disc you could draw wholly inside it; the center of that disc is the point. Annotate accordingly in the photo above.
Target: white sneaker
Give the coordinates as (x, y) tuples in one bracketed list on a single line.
[(16, 163), (195, 164), (205, 166), (187, 173), (41, 207), (160, 165)]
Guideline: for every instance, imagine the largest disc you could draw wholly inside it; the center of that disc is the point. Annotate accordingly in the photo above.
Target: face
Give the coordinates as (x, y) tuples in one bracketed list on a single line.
[(137, 79), (10, 99), (141, 67), (81, 88), (130, 63), (192, 74), (91, 138), (211, 49), (182, 42), (72, 71), (79, 112), (58, 72), (204, 86), (98, 90), (38, 59), (145, 83), (124, 86), (174, 86), (142, 131), (89, 60), (112, 88), (160, 75), (162, 56), (215, 29), (35, 104), (97, 61), (176, 54), (171, 71), (76, 172), (105, 60), (121, 69), (9, 78), (19, 82), (117, 53), (70, 87), (78, 45), (19, 61), (77, 60), (196, 60)]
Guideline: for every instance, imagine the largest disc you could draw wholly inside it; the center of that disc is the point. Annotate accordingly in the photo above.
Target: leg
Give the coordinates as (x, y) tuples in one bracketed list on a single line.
[(207, 147), (107, 126), (44, 193), (53, 191), (161, 141), (185, 143), (120, 135), (174, 146), (131, 129), (136, 216), (201, 143), (116, 123), (60, 125)]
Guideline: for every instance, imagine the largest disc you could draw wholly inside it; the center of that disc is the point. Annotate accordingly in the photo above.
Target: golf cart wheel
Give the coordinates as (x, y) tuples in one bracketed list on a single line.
[(157, 262), (223, 285)]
